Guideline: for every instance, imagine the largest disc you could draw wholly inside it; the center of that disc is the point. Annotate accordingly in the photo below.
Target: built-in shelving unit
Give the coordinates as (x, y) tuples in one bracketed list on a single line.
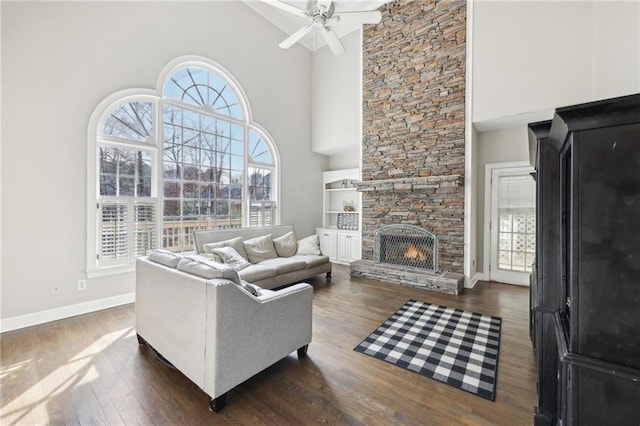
[(341, 199), (341, 219)]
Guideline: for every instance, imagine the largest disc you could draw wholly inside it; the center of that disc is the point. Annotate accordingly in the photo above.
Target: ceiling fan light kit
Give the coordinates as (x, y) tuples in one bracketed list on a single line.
[(323, 17)]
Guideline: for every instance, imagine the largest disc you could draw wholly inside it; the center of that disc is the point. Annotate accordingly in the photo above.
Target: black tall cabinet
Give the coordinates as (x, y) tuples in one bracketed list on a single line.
[(545, 296), (588, 265)]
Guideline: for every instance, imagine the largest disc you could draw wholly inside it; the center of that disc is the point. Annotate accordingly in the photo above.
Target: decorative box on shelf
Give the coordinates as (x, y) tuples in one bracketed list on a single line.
[(348, 221)]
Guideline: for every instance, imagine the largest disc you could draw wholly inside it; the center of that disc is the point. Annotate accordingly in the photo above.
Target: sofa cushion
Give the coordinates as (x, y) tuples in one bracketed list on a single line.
[(286, 245), (236, 243), (198, 265), (284, 265), (259, 249), (165, 257), (309, 245), (231, 257), (253, 273), (311, 260)]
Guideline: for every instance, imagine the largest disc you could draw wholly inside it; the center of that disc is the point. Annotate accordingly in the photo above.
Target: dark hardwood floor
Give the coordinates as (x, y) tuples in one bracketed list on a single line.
[(90, 370)]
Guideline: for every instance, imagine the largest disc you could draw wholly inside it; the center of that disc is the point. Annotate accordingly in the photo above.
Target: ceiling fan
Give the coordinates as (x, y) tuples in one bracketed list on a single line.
[(322, 15)]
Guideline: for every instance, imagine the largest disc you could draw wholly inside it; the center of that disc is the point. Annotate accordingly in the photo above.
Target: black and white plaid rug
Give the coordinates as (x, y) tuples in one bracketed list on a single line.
[(459, 348)]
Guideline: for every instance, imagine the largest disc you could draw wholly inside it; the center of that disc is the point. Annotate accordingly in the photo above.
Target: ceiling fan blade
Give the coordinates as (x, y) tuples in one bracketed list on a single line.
[(293, 38), (287, 7), (332, 40), (370, 17)]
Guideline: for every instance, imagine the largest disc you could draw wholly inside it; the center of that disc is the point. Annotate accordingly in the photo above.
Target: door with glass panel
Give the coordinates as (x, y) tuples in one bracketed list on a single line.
[(513, 225)]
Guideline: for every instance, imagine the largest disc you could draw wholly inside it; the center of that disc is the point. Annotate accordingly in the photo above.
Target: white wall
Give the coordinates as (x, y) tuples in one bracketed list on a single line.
[(349, 158), (0, 165), (536, 56), (506, 145), (60, 60), (337, 103), (475, 226), (530, 57), (616, 48)]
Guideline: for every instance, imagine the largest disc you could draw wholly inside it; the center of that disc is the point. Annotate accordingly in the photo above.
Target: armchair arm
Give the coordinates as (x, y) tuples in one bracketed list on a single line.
[(245, 334)]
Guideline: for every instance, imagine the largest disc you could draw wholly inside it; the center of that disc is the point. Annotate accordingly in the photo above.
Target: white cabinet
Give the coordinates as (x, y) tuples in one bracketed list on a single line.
[(349, 247), (341, 246), (328, 242)]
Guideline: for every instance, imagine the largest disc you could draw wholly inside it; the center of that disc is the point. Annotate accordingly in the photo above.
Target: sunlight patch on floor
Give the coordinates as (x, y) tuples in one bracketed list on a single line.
[(32, 406)]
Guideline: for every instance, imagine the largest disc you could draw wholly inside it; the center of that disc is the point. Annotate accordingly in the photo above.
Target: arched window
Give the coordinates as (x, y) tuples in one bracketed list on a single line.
[(126, 200), (169, 162)]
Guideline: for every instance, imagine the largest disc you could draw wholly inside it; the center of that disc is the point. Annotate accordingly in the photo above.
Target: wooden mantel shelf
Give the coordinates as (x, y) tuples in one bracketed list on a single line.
[(414, 184)]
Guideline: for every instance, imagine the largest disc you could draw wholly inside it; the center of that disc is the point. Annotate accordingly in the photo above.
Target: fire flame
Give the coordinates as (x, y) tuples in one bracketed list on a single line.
[(414, 253)]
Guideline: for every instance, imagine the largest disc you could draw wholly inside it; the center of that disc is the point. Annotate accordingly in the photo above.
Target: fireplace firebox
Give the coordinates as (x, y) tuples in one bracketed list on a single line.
[(406, 245)]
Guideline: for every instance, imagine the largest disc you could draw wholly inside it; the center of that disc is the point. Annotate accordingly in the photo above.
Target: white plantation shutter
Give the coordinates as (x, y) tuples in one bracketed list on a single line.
[(262, 213), (145, 220), (127, 230), (114, 238)]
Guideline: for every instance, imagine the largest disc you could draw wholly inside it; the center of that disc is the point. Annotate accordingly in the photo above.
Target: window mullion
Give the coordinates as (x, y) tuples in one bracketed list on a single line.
[(122, 143), (136, 165), (117, 159), (246, 204), (207, 111), (157, 183)]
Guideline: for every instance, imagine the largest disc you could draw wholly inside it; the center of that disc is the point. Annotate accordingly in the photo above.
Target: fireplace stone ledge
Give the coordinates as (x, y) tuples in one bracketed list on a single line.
[(445, 282), (415, 184)]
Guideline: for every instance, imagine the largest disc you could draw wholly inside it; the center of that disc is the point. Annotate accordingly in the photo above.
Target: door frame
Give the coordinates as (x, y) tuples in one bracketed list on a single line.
[(522, 167)]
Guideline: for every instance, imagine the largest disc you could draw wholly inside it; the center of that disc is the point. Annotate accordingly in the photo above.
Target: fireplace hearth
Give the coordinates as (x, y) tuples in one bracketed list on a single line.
[(408, 255)]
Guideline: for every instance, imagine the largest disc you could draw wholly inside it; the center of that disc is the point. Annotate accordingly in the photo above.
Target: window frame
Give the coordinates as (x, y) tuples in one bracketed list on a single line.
[(273, 167), (155, 145)]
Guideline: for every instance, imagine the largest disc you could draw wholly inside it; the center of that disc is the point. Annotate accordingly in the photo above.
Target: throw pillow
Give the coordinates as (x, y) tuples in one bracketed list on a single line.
[(197, 265), (253, 289), (309, 246), (209, 256), (232, 258), (232, 275), (286, 245), (259, 249), (236, 243), (165, 257)]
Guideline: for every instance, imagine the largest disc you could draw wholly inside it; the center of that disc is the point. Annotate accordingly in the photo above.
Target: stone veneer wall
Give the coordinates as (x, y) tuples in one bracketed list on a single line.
[(413, 117)]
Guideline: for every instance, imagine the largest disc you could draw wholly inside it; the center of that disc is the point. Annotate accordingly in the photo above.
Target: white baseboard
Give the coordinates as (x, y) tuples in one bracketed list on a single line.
[(474, 280), (27, 320)]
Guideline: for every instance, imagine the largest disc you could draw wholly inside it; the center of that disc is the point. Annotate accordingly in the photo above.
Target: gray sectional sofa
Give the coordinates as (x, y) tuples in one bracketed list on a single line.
[(205, 318), (211, 329), (270, 272)]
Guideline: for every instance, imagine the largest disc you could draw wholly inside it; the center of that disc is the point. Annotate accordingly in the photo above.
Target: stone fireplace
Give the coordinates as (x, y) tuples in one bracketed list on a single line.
[(413, 146)]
